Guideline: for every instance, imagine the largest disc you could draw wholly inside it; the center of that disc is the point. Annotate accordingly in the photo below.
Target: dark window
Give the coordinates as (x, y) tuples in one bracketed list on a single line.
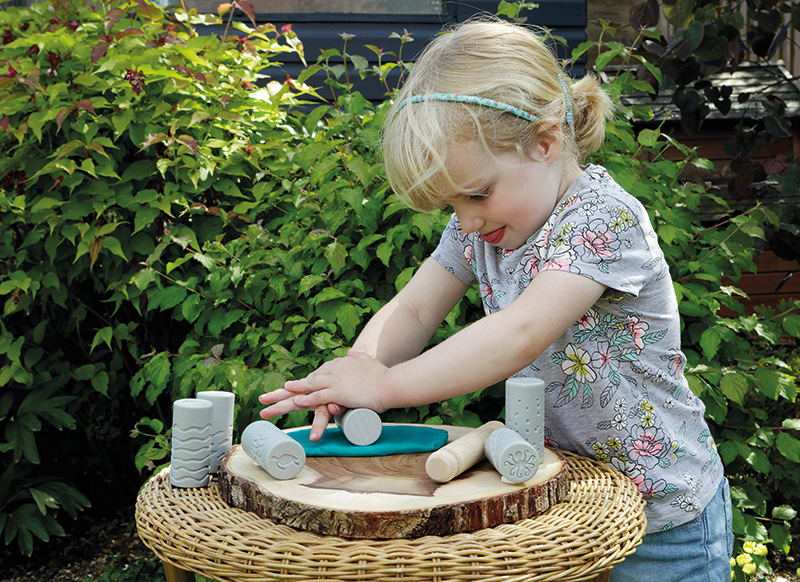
[(416, 7)]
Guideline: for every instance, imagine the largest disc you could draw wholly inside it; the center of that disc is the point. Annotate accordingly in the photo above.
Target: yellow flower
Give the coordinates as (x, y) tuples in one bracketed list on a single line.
[(733, 562), (749, 547), (749, 568), (760, 550), (743, 559)]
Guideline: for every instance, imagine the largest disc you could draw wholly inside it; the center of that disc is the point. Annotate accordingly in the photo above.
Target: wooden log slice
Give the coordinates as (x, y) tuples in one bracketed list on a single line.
[(391, 496)]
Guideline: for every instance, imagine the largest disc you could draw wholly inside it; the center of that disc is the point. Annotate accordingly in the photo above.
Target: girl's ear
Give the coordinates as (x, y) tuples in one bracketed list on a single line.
[(548, 144)]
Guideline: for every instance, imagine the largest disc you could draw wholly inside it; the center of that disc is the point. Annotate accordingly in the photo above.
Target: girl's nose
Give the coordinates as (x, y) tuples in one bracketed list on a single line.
[(470, 220)]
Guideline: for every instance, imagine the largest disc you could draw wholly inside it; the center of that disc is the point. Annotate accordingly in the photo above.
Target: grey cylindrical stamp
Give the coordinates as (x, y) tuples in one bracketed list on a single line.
[(278, 454), (360, 426), (221, 425), (513, 457), (525, 410), (190, 456)]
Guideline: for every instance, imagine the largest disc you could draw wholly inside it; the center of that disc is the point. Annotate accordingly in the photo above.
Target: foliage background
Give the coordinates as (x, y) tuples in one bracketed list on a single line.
[(177, 215)]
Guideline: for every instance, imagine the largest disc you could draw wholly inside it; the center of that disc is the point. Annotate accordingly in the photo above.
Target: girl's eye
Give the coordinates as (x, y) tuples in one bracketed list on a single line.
[(479, 196)]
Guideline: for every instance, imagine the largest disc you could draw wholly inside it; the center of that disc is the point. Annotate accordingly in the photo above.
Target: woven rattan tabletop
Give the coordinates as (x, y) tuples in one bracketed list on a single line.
[(194, 530)]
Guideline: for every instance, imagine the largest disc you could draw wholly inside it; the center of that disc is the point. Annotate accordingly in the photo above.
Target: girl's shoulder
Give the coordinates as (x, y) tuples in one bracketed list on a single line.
[(595, 188)]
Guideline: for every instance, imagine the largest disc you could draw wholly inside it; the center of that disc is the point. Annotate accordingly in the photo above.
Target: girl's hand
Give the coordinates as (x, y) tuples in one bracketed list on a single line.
[(352, 382)]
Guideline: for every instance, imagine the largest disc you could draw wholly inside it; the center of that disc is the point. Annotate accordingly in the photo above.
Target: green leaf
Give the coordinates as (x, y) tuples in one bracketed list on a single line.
[(348, 319), (710, 341), (791, 324), (167, 298), (781, 537), (582, 48), (385, 252), (328, 294), (100, 383), (121, 120), (191, 308), (679, 13), (137, 383), (768, 382), (788, 446), (784, 512), (41, 403), (758, 459), (144, 277), (23, 441), (507, 9), (734, 387), (309, 282), (648, 137), (84, 372), (112, 244), (145, 216), (43, 500), (727, 451), (336, 255), (105, 334), (606, 57), (157, 371), (205, 260), (754, 528)]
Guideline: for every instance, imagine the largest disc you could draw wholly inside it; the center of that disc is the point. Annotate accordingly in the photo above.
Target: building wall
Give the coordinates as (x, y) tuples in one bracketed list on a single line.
[(375, 23)]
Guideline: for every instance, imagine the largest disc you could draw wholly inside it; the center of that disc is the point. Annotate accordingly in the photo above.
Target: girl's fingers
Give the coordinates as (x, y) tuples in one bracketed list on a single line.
[(336, 409), (321, 419), (279, 409), (310, 383), (276, 396), (312, 399)]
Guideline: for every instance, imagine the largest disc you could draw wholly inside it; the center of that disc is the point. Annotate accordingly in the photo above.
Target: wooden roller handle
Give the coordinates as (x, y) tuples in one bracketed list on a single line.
[(461, 454)]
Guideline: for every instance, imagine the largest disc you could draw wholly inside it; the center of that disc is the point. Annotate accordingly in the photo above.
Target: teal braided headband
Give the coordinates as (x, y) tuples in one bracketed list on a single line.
[(474, 100), (459, 98)]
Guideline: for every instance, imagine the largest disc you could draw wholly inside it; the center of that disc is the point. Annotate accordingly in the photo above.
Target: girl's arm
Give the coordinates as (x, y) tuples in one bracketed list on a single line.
[(486, 352), (402, 327), (398, 332)]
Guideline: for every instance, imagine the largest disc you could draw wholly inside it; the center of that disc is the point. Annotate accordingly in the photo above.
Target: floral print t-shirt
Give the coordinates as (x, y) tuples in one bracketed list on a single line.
[(615, 388)]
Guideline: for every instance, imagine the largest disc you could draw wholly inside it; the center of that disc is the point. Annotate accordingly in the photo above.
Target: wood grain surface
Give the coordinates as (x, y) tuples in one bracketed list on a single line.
[(390, 496)]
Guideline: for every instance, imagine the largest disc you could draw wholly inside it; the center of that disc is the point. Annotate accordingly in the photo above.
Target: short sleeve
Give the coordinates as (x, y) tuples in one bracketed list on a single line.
[(602, 233), (456, 252)]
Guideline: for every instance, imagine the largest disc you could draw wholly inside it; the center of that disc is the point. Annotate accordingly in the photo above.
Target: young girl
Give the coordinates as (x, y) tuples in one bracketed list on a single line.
[(574, 285)]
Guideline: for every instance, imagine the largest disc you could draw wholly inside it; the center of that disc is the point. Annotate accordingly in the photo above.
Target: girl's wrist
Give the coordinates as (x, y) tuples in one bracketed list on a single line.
[(387, 391)]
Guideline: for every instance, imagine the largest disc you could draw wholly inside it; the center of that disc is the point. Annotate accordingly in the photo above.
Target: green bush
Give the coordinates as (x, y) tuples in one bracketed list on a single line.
[(745, 368), (177, 215), (172, 220)]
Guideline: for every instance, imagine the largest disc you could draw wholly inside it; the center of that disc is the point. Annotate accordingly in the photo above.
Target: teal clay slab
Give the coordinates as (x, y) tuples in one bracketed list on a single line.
[(395, 439)]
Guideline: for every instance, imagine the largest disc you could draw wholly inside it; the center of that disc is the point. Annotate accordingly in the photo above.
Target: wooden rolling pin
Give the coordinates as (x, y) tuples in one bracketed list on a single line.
[(461, 454)]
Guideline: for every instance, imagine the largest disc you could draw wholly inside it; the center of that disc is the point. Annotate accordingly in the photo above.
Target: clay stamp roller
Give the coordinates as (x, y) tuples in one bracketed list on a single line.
[(276, 452), (360, 426), (221, 424), (190, 456), (514, 458), (525, 410), (458, 456)]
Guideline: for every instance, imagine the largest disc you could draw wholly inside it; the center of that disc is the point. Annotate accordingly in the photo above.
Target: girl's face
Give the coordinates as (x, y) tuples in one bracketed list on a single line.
[(509, 195)]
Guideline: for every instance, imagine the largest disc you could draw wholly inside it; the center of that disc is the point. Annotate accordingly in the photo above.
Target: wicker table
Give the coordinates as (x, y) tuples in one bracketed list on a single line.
[(193, 530)]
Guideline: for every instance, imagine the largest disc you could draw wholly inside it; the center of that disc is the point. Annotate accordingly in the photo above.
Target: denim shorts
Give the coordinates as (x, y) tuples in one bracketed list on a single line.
[(698, 551)]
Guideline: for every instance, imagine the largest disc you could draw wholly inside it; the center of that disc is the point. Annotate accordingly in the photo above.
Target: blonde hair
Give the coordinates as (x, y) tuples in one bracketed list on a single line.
[(495, 60)]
